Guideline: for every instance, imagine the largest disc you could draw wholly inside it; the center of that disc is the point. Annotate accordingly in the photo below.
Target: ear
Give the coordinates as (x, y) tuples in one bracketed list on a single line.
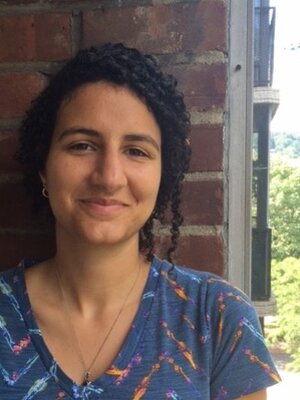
[(43, 177)]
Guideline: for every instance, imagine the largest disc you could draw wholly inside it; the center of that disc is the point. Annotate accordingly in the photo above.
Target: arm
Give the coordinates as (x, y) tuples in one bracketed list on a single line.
[(261, 395), (241, 361)]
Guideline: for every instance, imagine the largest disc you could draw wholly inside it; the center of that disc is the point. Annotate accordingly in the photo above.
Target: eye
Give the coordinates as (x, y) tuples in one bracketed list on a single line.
[(81, 147), (136, 152)]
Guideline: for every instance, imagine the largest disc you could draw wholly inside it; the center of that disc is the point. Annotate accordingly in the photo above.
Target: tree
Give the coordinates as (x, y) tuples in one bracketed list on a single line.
[(286, 287), (284, 206), (286, 144)]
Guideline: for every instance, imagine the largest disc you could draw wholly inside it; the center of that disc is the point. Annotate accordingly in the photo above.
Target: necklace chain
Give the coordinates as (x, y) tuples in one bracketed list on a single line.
[(87, 369)]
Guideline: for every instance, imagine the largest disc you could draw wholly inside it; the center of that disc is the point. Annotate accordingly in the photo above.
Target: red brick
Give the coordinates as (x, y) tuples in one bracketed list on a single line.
[(160, 28), (203, 253), (17, 90), (203, 86), (203, 203), (214, 22), (40, 37), (22, 2), (15, 247), (70, 1), (207, 148), (8, 147), (16, 2), (15, 208)]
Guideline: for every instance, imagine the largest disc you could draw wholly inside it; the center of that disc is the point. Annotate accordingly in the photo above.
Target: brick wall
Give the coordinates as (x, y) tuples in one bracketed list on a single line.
[(189, 39)]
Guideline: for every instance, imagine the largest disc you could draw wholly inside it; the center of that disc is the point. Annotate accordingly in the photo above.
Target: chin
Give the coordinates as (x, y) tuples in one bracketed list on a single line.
[(108, 238)]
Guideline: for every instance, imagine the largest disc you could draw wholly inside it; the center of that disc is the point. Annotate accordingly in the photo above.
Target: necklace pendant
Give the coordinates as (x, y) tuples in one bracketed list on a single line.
[(87, 381)]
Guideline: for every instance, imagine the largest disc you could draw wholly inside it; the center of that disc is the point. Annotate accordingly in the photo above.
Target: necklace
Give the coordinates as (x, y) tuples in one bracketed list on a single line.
[(87, 375)]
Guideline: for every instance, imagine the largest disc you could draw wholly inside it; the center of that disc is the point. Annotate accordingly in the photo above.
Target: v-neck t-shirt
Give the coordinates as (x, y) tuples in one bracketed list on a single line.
[(194, 336)]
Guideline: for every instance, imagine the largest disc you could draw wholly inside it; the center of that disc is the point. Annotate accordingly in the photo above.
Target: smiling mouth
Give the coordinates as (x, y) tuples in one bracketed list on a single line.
[(103, 206)]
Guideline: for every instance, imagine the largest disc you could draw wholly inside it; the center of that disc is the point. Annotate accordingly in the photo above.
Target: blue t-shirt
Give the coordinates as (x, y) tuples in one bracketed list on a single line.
[(194, 337)]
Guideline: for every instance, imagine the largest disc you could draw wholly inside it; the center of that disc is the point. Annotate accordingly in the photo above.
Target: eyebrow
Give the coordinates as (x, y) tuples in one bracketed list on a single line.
[(74, 130), (131, 137), (141, 137)]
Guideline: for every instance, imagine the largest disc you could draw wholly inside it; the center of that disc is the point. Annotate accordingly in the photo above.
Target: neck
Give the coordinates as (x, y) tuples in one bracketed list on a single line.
[(98, 276)]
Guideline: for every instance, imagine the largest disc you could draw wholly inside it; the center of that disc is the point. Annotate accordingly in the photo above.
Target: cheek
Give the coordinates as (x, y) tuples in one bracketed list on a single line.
[(60, 186), (157, 178), (151, 186), (60, 172), (144, 187)]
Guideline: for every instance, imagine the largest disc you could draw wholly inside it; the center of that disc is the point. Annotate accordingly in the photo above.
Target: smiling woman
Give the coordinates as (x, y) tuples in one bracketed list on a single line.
[(104, 150), (109, 146)]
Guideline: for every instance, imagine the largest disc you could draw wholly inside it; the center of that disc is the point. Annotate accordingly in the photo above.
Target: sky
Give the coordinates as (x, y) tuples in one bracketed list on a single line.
[(287, 66)]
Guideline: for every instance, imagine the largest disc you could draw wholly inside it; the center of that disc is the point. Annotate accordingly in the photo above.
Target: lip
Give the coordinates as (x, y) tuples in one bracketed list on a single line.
[(103, 206)]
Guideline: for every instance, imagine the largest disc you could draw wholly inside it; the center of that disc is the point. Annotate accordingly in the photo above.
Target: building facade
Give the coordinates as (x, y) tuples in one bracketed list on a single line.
[(208, 46)]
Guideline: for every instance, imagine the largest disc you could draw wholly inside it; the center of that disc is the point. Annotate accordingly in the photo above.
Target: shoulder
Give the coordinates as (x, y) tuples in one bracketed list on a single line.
[(224, 307), (18, 270), (12, 280), (7, 277), (182, 273), (213, 287)]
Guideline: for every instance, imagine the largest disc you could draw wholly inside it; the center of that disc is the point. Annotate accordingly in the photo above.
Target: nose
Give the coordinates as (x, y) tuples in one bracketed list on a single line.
[(109, 171)]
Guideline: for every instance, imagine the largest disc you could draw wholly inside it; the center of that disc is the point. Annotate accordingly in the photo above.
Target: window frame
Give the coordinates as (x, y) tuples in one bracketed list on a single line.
[(238, 142)]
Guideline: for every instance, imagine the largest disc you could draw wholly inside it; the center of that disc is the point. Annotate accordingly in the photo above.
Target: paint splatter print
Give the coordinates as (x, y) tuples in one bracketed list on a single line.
[(194, 337)]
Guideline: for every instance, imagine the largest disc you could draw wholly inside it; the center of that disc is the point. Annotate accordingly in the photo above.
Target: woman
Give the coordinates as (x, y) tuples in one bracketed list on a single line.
[(104, 149)]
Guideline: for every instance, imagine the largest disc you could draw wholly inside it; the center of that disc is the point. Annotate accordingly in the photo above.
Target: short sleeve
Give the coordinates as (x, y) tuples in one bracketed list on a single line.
[(241, 363)]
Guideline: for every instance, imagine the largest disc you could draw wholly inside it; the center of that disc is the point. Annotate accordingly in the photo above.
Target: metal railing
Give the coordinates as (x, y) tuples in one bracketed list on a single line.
[(264, 32)]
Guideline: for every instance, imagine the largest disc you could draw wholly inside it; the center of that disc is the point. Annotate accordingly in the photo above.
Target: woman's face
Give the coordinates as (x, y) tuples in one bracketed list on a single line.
[(103, 169)]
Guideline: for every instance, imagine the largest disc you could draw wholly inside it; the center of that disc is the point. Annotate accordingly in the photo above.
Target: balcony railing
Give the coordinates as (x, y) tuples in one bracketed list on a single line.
[(264, 30)]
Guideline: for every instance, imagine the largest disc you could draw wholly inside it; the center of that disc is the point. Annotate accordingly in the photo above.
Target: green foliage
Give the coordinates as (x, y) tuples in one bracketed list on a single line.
[(284, 206), (286, 144), (286, 288)]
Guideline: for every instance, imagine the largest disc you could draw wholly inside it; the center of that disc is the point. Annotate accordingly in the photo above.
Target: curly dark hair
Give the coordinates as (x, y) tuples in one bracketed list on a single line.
[(116, 64)]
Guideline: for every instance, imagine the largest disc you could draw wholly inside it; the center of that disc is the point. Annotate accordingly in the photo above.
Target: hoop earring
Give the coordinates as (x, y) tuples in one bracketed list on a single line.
[(45, 192)]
